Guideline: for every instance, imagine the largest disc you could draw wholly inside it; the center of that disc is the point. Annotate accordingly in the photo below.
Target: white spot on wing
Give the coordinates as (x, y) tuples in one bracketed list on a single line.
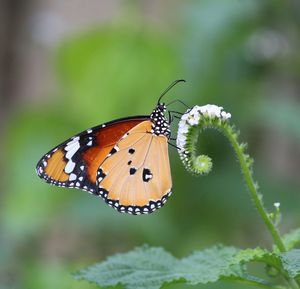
[(70, 146), (69, 167), (72, 149), (74, 140), (71, 153), (72, 177)]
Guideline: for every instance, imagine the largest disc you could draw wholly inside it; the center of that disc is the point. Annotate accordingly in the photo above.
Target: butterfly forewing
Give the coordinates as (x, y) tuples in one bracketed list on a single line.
[(135, 177), (75, 162)]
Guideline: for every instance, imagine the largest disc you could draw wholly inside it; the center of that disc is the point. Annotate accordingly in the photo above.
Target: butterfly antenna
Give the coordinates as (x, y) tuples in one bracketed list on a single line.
[(169, 87), (177, 100)]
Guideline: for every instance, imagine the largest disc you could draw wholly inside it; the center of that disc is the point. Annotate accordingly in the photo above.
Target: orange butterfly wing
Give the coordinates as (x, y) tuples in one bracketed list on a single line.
[(75, 162), (135, 177), (125, 161)]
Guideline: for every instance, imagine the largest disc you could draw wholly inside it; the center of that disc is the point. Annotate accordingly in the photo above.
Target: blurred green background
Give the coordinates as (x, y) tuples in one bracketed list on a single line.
[(70, 65)]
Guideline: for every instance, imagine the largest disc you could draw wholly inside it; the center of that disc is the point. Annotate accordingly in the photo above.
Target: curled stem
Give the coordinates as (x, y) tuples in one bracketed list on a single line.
[(211, 116)]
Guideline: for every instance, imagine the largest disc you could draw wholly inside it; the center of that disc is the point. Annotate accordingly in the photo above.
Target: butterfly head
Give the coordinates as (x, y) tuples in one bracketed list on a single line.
[(160, 125)]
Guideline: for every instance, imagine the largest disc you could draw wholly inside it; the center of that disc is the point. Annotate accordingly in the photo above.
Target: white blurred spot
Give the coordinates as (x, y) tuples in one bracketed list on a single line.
[(266, 44)]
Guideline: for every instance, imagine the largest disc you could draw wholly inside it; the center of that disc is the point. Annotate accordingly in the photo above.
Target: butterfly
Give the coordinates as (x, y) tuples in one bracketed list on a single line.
[(125, 161)]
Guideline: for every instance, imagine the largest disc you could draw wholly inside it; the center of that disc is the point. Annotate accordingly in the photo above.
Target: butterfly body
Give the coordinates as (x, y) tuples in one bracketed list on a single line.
[(125, 162)]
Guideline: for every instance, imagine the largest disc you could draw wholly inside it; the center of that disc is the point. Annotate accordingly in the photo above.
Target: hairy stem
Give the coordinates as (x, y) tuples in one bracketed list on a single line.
[(256, 197)]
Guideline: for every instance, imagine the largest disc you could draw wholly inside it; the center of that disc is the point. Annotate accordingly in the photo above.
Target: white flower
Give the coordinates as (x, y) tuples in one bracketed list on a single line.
[(185, 116), (193, 116), (184, 129), (180, 141), (194, 110), (193, 119), (225, 115), (211, 110), (277, 205), (182, 122)]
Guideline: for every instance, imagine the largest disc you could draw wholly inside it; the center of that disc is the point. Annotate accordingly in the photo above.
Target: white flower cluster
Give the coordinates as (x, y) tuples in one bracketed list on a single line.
[(192, 118)]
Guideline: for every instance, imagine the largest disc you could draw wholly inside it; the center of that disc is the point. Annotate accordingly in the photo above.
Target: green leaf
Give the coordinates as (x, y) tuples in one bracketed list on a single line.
[(150, 268), (291, 262), (209, 265), (257, 255), (291, 239)]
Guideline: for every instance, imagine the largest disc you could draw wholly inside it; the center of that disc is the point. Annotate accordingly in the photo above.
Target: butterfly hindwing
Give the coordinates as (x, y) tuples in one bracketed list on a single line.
[(135, 177), (75, 162)]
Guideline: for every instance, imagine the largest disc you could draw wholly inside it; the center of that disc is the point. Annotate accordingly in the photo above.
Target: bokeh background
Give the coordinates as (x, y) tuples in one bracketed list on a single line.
[(68, 65)]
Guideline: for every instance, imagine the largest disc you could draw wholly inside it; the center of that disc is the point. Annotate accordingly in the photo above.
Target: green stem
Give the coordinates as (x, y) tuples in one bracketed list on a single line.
[(293, 283), (256, 196)]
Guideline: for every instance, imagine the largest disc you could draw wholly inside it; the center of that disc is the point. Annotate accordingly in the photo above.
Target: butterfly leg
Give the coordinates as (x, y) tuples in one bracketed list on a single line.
[(173, 114), (178, 100), (170, 120), (175, 146)]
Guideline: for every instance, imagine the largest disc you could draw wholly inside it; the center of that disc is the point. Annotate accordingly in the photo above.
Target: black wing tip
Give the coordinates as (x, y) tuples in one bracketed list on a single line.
[(39, 168)]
